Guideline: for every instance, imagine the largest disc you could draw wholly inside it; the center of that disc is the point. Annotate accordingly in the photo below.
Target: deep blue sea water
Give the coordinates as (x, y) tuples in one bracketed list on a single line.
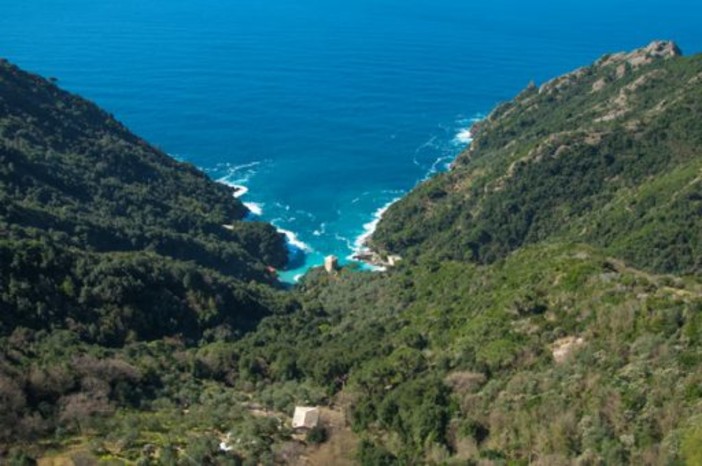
[(326, 111)]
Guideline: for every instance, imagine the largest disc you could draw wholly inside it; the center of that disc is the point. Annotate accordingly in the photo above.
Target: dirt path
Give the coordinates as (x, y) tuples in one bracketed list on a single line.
[(340, 447)]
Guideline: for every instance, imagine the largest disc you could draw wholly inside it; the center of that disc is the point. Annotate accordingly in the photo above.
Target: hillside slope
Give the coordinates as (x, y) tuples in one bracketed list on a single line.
[(608, 154), (548, 306), (548, 310), (103, 233), (116, 263)]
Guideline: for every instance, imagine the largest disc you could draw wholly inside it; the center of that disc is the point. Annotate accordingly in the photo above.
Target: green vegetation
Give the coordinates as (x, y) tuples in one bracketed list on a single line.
[(450, 361), (615, 166), (548, 309), (113, 259), (107, 236)]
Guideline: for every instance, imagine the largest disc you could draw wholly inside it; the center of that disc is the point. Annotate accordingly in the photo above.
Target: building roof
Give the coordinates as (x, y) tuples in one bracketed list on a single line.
[(305, 417)]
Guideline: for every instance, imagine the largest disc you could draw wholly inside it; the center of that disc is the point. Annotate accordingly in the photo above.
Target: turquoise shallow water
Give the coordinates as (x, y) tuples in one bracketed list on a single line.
[(325, 111)]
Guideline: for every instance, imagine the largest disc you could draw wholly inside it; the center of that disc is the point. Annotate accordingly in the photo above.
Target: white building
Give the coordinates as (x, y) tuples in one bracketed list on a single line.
[(305, 417), (331, 264)]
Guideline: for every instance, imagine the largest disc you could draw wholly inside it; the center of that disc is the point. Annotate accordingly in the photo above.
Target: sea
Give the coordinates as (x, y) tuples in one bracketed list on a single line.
[(323, 112)]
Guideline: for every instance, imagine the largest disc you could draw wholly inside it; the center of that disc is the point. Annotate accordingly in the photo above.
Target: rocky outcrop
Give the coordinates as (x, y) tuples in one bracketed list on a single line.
[(659, 49), (624, 62), (563, 347)]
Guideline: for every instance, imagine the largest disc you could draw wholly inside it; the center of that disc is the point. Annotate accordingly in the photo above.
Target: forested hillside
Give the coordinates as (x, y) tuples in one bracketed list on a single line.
[(107, 241), (547, 309), (608, 155), (105, 234), (548, 305)]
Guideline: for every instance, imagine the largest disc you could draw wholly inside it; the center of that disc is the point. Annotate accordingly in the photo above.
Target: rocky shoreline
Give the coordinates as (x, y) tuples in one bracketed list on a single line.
[(376, 259)]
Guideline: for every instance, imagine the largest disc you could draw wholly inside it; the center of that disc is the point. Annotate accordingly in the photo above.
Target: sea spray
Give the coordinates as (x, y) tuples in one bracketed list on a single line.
[(255, 208), (360, 245), (293, 240), (464, 136)]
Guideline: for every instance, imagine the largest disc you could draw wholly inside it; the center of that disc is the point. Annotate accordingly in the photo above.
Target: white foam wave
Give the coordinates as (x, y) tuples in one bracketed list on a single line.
[(293, 240), (441, 163), (428, 146), (237, 175), (359, 244), (464, 136), (236, 168), (178, 157), (349, 243), (240, 190), (240, 172), (321, 230), (255, 208)]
